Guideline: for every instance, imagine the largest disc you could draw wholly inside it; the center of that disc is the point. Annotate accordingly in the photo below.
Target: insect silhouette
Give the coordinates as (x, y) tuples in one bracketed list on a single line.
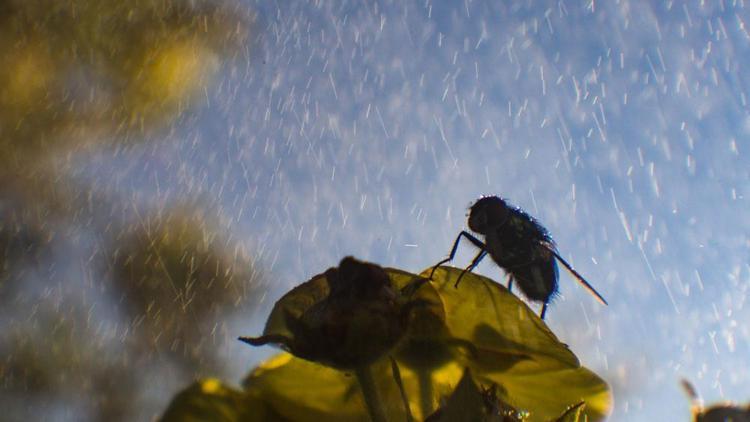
[(520, 246), (717, 413)]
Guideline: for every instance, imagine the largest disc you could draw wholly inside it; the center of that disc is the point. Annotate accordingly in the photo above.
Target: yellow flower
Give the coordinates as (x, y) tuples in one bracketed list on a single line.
[(480, 326), (417, 340)]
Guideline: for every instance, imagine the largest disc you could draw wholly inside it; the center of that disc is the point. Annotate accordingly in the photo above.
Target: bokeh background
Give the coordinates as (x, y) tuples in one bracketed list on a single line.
[(169, 168)]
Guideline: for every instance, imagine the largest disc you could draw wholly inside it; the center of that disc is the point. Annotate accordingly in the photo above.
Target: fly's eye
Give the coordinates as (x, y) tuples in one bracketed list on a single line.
[(480, 218)]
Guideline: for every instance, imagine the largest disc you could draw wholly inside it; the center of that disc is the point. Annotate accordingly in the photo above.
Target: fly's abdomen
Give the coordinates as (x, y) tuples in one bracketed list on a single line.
[(537, 280)]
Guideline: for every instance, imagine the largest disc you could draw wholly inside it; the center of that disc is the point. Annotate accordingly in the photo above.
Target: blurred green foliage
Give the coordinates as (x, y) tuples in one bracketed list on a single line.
[(78, 74), (178, 276), (57, 353), (22, 245)]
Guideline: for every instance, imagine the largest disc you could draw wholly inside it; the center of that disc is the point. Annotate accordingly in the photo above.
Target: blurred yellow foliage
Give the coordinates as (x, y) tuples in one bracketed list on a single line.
[(26, 73), (78, 72), (172, 74)]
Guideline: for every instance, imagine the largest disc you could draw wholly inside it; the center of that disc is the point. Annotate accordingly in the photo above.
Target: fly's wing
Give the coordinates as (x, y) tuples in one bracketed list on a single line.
[(579, 277), (531, 233)]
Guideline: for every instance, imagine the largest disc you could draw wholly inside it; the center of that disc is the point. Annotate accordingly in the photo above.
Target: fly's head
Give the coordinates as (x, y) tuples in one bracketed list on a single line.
[(488, 213)]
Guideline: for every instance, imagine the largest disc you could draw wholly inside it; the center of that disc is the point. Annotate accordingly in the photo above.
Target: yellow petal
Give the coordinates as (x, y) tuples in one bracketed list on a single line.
[(211, 401), (305, 391)]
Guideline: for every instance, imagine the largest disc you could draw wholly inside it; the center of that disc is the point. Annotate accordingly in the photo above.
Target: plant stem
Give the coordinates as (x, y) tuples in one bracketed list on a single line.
[(370, 392), (400, 383), (424, 379)]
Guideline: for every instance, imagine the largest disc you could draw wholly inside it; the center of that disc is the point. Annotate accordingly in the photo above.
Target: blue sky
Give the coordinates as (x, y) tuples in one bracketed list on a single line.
[(622, 126)]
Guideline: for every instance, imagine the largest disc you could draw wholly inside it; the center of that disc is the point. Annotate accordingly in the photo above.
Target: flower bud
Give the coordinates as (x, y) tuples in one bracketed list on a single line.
[(360, 318)]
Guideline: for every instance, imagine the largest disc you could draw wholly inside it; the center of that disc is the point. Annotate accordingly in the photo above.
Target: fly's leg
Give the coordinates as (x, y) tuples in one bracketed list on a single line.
[(544, 311), (476, 242), (471, 266), (510, 283)]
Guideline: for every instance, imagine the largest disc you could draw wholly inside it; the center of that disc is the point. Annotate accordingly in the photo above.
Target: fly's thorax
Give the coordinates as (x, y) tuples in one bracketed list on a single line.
[(493, 244), (507, 250)]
